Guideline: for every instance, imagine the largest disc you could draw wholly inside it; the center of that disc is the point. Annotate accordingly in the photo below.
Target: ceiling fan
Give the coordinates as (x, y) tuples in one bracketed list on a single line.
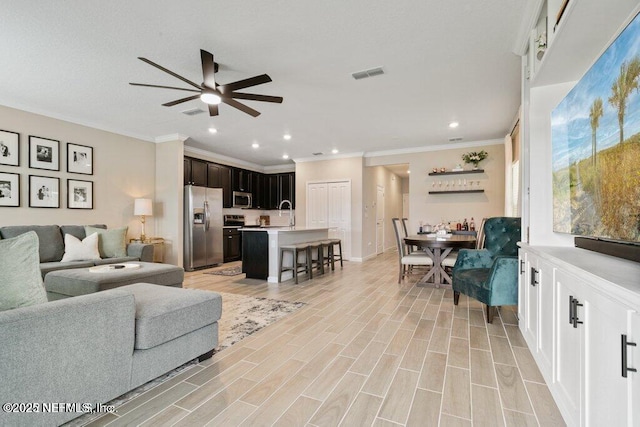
[(211, 93)]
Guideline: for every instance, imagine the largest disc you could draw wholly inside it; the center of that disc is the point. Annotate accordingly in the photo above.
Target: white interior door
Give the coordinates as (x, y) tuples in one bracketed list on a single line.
[(405, 205), (339, 214), (329, 205), (380, 219), (317, 205)]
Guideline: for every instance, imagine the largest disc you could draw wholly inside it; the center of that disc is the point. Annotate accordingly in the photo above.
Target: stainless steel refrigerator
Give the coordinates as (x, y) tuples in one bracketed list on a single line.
[(202, 227)]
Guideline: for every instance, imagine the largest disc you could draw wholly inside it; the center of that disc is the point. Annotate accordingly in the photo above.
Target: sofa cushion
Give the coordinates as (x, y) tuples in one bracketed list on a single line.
[(20, 281), (76, 250), (115, 260), (78, 230), (51, 244), (112, 243), (47, 267), (164, 313)]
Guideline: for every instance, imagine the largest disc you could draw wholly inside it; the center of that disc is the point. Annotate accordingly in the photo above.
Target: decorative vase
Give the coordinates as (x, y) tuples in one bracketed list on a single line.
[(475, 166)]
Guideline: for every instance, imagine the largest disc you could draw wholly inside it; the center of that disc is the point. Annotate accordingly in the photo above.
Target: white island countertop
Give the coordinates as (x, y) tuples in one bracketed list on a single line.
[(283, 229)]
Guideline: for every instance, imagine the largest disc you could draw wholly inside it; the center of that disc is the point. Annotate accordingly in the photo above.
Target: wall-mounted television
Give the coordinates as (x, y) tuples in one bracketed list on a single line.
[(595, 133)]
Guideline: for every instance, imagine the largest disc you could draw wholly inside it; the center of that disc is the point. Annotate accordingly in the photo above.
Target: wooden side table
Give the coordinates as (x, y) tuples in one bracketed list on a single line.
[(158, 247)]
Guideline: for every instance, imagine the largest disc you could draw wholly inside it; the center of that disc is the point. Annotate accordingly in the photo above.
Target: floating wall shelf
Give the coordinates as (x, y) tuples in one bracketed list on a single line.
[(456, 191), (456, 172)]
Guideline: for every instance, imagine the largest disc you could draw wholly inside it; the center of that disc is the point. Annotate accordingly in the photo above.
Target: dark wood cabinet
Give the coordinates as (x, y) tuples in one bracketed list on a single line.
[(195, 172), (232, 244), (267, 190), (213, 177), (225, 184), (199, 172), (257, 189), (241, 180)]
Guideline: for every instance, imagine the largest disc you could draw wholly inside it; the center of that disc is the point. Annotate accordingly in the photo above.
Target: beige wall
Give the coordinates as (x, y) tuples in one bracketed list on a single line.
[(432, 209), (392, 184), (123, 169), (351, 169)]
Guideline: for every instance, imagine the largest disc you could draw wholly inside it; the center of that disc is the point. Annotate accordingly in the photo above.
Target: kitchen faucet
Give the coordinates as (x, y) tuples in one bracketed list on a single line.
[(291, 218)]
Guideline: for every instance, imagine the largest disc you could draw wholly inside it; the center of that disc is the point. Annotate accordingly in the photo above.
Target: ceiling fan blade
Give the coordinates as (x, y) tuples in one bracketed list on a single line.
[(241, 84), (208, 69), (164, 87), (213, 110), (180, 101), (241, 107), (253, 97), (160, 67)]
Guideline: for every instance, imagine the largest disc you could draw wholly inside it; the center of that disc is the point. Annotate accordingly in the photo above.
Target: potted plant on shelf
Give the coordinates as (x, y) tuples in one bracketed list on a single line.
[(474, 157)]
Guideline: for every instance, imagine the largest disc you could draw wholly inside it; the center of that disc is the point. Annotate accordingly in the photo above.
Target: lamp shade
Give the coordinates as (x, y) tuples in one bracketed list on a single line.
[(143, 207)]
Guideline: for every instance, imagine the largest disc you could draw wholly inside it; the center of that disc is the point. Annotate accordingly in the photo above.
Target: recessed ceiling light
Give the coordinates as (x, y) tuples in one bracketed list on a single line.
[(408, 171), (285, 156), (454, 125), (287, 136), (255, 145), (334, 151), (213, 130)]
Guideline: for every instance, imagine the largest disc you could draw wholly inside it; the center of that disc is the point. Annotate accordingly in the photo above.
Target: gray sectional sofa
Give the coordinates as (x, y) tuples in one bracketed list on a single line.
[(59, 359), (51, 239)]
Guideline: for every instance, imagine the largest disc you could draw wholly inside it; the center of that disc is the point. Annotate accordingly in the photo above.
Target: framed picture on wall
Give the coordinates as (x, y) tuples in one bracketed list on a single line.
[(79, 194), (44, 153), (9, 189), (44, 192), (79, 159), (9, 148)]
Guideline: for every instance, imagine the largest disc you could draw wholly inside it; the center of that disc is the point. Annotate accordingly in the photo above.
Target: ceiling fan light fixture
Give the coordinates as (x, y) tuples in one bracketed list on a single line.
[(210, 98)]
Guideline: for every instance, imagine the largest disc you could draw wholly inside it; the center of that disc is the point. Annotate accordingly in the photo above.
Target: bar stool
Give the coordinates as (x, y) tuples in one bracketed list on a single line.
[(327, 254), (335, 256), (316, 255), (297, 266)]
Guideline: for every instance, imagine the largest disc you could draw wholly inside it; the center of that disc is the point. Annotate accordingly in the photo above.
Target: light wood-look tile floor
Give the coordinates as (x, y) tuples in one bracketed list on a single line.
[(364, 351)]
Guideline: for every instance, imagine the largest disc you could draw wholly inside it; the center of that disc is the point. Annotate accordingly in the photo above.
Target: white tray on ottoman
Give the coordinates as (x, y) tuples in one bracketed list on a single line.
[(80, 281)]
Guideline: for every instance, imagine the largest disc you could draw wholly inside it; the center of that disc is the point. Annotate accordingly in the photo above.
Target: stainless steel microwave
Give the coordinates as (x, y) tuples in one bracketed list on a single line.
[(242, 200)]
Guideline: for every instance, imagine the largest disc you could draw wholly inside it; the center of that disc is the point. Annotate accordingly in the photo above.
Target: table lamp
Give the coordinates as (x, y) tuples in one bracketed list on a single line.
[(142, 208)]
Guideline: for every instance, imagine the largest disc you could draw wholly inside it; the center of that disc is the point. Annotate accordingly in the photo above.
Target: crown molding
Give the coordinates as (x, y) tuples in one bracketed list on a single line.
[(440, 147), (75, 121), (171, 137)]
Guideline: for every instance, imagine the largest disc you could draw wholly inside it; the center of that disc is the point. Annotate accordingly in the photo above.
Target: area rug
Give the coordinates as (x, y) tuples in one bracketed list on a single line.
[(242, 316), (231, 271)]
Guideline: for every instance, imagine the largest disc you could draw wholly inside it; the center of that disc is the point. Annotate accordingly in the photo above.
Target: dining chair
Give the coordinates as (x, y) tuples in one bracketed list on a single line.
[(406, 261), (490, 275), (410, 248)]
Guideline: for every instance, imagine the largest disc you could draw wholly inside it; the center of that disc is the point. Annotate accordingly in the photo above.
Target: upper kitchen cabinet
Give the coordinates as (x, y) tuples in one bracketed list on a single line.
[(219, 176), (195, 172), (287, 187), (257, 189), (241, 180)]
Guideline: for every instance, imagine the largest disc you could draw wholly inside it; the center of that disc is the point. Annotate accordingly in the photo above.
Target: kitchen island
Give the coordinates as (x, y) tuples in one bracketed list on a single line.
[(261, 249)]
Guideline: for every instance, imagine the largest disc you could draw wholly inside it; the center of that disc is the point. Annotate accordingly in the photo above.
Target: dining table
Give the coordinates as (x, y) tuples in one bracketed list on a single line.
[(438, 247)]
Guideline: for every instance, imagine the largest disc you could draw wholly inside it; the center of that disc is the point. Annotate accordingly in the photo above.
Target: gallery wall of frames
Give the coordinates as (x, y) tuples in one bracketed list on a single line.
[(46, 158)]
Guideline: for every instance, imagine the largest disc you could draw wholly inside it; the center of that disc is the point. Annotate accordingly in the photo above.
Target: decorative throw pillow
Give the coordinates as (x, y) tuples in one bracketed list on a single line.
[(76, 250), (111, 243), (20, 279)]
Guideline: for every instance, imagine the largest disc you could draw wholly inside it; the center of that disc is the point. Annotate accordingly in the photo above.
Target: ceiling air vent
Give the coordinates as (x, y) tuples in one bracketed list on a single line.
[(455, 139), (193, 112), (318, 154), (368, 73)]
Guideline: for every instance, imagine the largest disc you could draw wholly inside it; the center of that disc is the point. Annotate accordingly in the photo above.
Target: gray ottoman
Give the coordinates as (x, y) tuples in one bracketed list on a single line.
[(171, 323), (80, 281)]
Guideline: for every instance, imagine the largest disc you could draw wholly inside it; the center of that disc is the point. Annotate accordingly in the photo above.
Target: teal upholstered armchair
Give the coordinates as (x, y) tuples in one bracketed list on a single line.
[(490, 275)]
